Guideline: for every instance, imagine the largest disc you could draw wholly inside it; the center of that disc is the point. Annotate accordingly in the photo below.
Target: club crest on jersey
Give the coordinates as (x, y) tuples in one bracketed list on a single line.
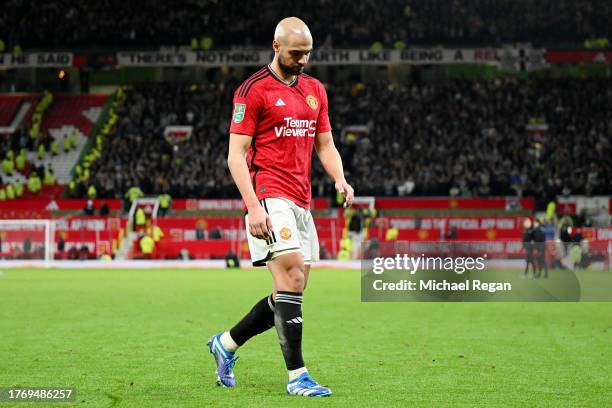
[(285, 233), (312, 101), (239, 110)]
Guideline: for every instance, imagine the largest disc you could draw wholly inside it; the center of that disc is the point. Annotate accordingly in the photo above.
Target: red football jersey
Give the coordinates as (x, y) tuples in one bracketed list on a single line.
[(283, 120)]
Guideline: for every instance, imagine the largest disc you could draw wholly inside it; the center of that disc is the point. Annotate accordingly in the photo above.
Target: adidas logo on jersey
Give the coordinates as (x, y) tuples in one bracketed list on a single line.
[(279, 102)]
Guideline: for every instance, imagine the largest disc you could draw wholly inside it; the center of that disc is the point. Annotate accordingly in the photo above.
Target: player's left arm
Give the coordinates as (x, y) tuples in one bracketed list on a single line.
[(332, 163)]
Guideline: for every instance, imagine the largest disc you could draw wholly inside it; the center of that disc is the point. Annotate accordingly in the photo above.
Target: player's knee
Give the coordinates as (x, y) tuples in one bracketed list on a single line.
[(289, 272), (295, 278)]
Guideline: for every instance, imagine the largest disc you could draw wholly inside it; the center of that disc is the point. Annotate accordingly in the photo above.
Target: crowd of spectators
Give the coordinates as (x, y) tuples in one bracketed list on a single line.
[(339, 23), (461, 138), (469, 138), (137, 154)]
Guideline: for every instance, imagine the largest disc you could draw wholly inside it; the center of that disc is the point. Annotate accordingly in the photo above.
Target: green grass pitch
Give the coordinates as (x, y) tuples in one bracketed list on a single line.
[(135, 338)]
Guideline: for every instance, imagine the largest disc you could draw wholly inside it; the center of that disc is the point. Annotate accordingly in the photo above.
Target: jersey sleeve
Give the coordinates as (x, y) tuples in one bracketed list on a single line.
[(245, 113), (323, 124)]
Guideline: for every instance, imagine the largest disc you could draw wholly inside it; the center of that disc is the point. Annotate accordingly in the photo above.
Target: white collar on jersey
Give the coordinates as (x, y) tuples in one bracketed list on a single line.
[(288, 83)]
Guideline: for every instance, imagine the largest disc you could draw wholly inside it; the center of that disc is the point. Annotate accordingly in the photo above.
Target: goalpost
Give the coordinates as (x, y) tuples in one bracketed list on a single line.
[(27, 240)]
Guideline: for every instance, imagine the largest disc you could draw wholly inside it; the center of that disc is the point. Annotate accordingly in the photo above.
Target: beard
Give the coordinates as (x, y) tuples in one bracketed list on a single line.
[(287, 69)]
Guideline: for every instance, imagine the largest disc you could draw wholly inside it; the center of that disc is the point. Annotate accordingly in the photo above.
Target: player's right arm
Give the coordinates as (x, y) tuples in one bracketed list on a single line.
[(259, 221)]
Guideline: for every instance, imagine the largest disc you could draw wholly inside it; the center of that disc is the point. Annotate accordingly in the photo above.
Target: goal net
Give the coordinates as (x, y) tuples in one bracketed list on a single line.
[(27, 240)]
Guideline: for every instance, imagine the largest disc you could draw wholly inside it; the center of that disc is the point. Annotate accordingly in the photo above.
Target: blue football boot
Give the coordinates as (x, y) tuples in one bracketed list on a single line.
[(305, 386), (225, 361)]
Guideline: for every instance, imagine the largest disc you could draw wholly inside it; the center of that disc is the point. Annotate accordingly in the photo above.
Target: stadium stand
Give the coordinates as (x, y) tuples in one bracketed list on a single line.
[(54, 148), (14, 108), (335, 23), (137, 154), (10, 104), (459, 138), (70, 116)]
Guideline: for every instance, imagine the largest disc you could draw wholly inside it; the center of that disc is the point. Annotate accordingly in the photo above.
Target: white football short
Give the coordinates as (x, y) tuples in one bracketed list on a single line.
[(293, 230)]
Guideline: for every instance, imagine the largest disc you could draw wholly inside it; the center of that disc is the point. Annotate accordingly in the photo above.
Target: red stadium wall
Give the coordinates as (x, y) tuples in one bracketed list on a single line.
[(100, 235), (103, 234), (454, 203)]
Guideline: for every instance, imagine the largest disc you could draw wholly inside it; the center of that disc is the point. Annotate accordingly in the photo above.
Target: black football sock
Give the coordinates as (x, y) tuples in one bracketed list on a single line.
[(288, 322), (258, 320)]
